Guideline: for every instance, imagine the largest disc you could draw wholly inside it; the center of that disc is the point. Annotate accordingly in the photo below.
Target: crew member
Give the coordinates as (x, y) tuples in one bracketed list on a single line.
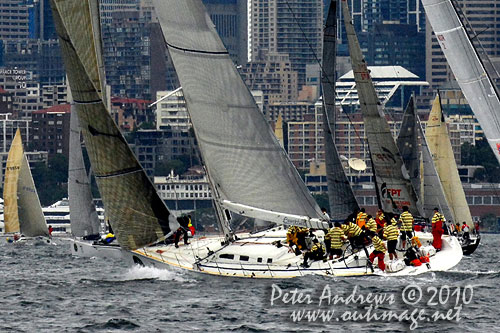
[(355, 234), (379, 251), (50, 230), (336, 240), (371, 224), (407, 225), (183, 222), (391, 233), (465, 230), (361, 219), (437, 229), (190, 226), (325, 214), (317, 252), (380, 220)]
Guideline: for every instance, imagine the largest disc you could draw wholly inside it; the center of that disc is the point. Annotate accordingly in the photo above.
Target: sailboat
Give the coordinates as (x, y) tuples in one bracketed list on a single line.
[(22, 210), (432, 167), (444, 160), (250, 173), (85, 223), (397, 173)]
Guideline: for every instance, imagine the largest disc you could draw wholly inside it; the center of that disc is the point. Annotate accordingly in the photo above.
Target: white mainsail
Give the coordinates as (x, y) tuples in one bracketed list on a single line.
[(467, 67), (82, 211), (444, 159), (137, 214), (246, 163), (340, 195), (394, 188)]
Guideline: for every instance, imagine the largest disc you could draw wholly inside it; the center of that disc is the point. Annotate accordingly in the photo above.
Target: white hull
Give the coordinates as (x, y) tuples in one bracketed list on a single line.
[(283, 263), (88, 249)]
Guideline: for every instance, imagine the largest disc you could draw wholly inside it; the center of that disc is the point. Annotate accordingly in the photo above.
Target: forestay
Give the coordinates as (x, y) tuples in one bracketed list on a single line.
[(82, 211), (137, 214), (394, 188), (444, 159), (467, 67), (242, 156), (340, 194)]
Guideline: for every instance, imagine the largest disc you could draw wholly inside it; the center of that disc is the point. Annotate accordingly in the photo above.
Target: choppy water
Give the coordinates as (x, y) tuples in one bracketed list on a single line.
[(44, 289)]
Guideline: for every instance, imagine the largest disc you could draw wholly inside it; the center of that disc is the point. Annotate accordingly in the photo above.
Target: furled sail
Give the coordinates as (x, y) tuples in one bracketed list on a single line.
[(82, 211), (12, 169), (394, 188), (137, 214), (341, 197), (247, 165), (467, 67), (31, 219), (444, 159), (408, 144)]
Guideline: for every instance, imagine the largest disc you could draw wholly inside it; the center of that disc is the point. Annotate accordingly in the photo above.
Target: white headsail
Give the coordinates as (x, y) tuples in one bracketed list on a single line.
[(467, 67), (341, 197), (82, 211), (246, 163), (394, 188)]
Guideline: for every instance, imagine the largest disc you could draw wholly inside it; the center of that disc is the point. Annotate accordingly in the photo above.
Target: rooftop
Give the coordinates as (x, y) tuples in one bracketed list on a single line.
[(61, 108)]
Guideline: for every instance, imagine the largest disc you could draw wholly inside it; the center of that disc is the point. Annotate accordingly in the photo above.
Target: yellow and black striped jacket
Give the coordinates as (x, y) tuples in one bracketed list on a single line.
[(354, 230), (378, 244), (438, 216), (391, 232), (371, 225), (336, 237), (407, 220)]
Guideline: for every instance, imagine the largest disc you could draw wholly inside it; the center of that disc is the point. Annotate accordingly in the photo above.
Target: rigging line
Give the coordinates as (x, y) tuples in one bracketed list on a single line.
[(319, 63)]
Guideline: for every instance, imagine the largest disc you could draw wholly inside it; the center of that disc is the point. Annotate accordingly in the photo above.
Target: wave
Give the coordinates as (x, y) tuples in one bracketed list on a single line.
[(152, 273)]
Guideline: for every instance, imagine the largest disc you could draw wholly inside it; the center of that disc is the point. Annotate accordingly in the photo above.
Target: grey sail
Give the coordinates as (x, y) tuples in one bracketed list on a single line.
[(433, 192), (242, 156), (31, 219), (408, 144), (341, 197), (394, 188), (82, 211), (467, 67), (137, 214)]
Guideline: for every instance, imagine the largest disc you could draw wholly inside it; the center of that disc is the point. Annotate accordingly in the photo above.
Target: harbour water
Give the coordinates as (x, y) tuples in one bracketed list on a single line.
[(44, 289)]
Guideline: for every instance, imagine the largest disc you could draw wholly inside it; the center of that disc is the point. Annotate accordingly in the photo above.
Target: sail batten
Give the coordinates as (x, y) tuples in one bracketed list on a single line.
[(239, 149), (395, 189), (137, 214), (467, 67), (341, 197)]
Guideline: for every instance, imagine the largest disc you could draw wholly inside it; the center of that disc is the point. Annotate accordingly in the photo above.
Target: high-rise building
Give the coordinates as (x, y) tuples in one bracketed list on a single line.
[(289, 27), (272, 74), (229, 17), (483, 17), (41, 24), (394, 45), (14, 20), (109, 7), (50, 129)]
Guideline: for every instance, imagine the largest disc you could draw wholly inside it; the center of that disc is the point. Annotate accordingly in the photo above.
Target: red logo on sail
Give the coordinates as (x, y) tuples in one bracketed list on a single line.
[(440, 37), (498, 148)]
